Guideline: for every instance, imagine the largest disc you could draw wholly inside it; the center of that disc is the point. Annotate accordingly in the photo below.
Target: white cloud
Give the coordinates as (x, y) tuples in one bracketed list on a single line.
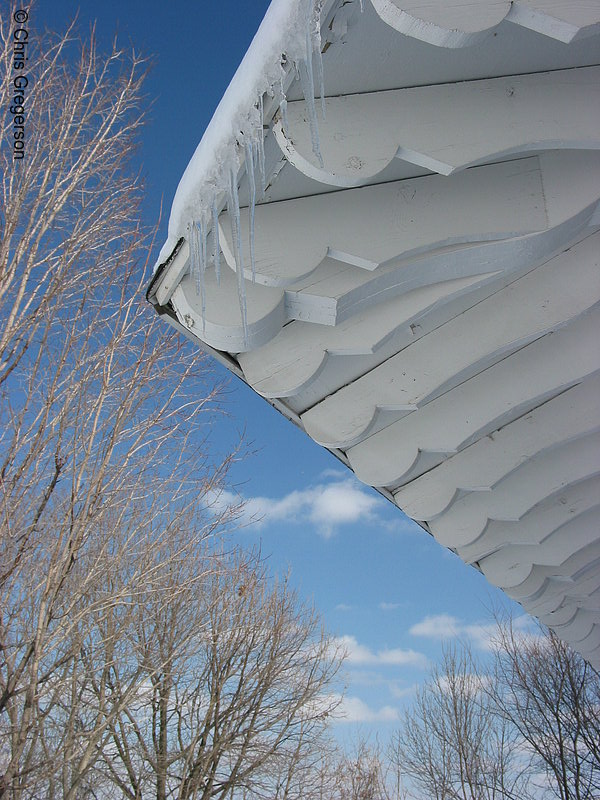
[(353, 709), (389, 606), (482, 635), (361, 654), (343, 607), (326, 506), (221, 501), (444, 626), (399, 691), (440, 626), (400, 657), (336, 474), (397, 688), (337, 504)]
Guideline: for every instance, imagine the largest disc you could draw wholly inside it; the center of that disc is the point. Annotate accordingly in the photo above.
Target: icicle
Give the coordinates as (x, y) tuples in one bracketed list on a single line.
[(283, 107), (309, 98), (217, 246), (260, 179), (197, 243), (306, 74), (194, 257), (320, 76), (252, 192), (313, 48), (321, 80), (201, 230), (233, 207), (261, 148)]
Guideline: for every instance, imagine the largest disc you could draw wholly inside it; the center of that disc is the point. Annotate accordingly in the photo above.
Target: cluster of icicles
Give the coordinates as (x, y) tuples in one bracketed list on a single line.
[(249, 146)]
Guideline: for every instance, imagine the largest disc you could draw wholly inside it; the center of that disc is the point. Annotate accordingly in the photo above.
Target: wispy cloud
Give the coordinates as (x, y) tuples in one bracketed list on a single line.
[(399, 691), (360, 654), (353, 709), (439, 626), (389, 606), (374, 678), (442, 627), (482, 635), (343, 607), (221, 501), (336, 474), (326, 506)]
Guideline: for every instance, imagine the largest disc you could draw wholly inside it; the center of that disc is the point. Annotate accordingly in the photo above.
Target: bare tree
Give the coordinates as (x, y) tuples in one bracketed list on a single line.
[(100, 408), (309, 772), (242, 692), (133, 658), (122, 571), (452, 745), (70, 204), (363, 775), (552, 697)]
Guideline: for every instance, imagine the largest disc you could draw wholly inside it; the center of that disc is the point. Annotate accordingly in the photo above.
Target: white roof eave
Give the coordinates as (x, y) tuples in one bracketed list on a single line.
[(422, 297)]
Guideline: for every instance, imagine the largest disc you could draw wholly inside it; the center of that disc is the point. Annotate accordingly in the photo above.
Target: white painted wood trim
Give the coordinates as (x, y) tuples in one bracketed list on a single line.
[(448, 23), (445, 128)]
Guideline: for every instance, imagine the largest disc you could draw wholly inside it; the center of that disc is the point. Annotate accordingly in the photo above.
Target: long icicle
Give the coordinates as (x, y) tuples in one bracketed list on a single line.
[(316, 49), (233, 204), (260, 141), (283, 107), (252, 192), (305, 71), (309, 99), (197, 266), (194, 257), (217, 245), (201, 230)]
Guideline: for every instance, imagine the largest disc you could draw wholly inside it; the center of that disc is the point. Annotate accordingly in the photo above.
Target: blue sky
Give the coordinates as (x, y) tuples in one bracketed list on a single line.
[(380, 583)]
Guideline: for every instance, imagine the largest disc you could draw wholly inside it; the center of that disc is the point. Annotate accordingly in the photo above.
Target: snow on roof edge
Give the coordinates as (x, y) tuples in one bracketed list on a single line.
[(283, 32)]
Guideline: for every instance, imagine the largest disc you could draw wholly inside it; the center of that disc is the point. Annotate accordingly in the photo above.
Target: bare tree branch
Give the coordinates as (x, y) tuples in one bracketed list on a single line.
[(452, 745), (550, 695), (101, 411)]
